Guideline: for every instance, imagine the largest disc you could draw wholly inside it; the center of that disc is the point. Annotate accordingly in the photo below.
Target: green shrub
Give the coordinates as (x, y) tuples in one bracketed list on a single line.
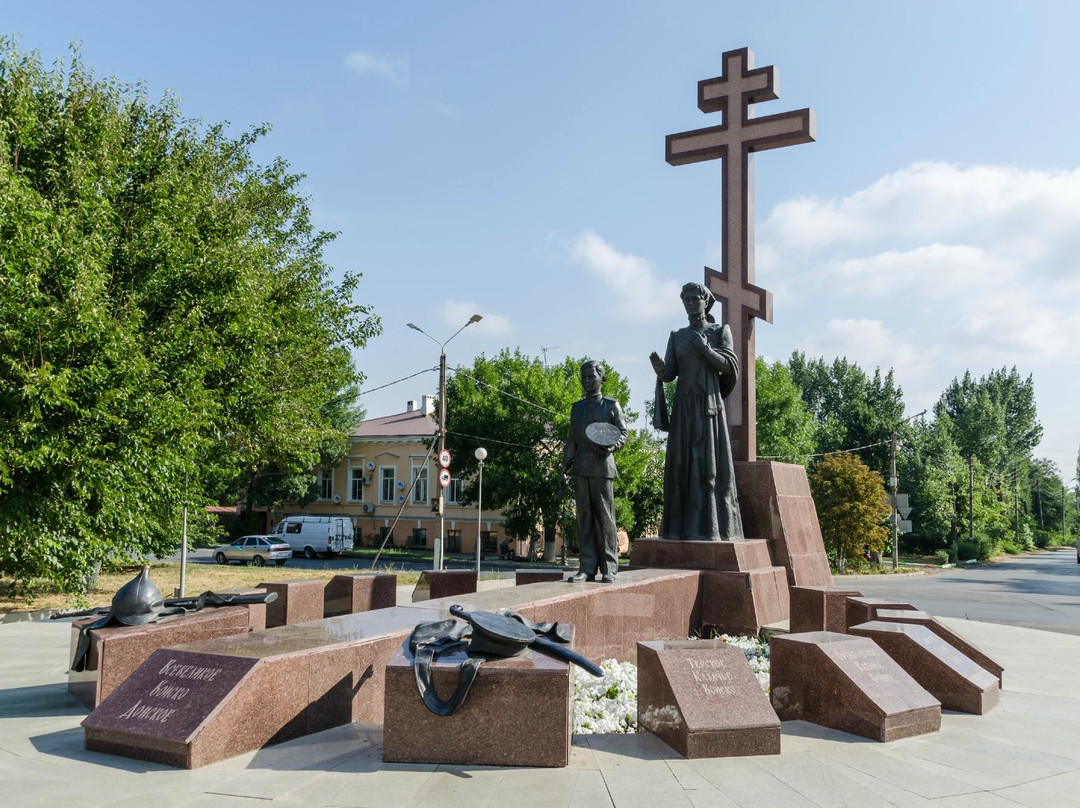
[(1010, 547), (966, 551), (942, 556), (1043, 539), (1026, 539)]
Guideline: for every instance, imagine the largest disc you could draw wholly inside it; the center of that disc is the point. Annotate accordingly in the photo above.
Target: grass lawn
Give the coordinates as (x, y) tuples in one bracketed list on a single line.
[(166, 576)]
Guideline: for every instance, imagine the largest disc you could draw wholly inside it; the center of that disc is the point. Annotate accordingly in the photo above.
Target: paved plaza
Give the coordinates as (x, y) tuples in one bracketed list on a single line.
[(1024, 752)]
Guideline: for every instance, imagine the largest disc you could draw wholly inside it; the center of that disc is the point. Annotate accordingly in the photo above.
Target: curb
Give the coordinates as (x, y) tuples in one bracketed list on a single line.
[(23, 617)]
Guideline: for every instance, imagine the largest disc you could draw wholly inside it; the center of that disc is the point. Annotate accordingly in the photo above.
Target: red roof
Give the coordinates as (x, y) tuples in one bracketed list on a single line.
[(405, 424)]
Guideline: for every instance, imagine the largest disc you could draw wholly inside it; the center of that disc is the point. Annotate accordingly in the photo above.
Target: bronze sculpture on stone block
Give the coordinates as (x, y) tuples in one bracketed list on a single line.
[(700, 501), (597, 430)]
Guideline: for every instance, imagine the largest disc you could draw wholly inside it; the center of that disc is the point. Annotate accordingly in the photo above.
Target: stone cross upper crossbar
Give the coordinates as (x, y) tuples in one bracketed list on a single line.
[(738, 137)]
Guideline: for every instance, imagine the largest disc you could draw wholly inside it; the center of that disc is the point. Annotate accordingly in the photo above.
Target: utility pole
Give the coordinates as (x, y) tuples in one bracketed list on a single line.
[(895, 512), (894, 482), (1038, 495), (971, 497), (437, 561)]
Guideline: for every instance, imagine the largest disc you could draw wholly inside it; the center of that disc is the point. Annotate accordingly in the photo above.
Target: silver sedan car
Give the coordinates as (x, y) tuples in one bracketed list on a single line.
[(256, 550)]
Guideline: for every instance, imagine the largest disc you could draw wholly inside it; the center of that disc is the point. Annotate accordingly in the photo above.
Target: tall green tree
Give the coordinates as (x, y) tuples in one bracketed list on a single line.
[(785, 427), (519, 410), (168, 324), (851, 504), (852, 410)]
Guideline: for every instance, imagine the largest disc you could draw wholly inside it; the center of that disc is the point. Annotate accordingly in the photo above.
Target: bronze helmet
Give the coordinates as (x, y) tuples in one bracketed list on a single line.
[(138, 601)]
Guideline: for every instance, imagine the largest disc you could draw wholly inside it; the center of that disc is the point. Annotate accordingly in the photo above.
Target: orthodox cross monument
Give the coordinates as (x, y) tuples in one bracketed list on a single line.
[(734, 141)]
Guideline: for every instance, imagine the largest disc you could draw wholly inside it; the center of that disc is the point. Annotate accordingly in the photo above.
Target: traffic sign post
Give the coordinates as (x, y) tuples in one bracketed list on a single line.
[(444, 478)]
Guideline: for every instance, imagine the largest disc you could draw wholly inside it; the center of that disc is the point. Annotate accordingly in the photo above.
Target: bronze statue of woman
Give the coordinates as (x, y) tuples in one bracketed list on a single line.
[(700, 501)]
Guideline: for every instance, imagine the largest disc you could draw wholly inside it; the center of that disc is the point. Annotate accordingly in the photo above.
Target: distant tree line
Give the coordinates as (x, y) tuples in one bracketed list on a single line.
[(981, 434)]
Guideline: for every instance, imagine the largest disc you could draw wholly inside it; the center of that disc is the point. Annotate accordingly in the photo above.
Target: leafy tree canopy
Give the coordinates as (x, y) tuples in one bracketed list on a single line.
[(519, 410), (851, 505), (166, 315), (785, 427)]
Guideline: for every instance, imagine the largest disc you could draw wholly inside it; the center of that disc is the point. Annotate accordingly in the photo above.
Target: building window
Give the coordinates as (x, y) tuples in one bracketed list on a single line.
[(326, 483), (386, 538), (356, 485), (419, 537), (453, 541), (455, 492), (420, 484), (488, 538), (387, 483)]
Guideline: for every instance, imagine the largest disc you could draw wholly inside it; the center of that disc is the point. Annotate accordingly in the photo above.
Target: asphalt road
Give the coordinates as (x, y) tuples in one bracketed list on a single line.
[(452, 562), (1039, 591)]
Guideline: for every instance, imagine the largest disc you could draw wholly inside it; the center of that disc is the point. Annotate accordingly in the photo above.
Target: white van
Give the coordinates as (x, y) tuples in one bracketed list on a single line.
[(314, 535)]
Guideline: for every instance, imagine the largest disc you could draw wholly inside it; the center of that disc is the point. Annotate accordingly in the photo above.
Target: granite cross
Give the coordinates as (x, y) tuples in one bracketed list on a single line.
[(734, 141)]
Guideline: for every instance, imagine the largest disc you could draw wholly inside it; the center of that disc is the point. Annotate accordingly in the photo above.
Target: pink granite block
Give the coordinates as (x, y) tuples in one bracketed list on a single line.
[(517, 713), (819, 608), (727, 556), (525, 577), (297, 602), (348, 594), (776, 505), (968, 649), (863, 610), (116, 651), (952, 678), (743, 602), (847, 683), (701, 698), (435, 584)]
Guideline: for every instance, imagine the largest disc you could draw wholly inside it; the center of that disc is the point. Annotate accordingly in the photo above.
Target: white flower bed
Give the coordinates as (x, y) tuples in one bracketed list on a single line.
[(608, 704)]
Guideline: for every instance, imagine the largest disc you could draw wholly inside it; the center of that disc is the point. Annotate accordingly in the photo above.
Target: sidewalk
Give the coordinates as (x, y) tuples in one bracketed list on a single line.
[(1024, 752)]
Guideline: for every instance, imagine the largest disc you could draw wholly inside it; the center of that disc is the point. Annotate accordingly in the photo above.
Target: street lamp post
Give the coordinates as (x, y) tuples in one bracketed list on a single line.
[(437, 562), (481, 455)]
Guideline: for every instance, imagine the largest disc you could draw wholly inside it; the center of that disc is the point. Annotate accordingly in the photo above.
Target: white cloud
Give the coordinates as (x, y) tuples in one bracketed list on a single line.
[(1011, 327), (868, 343), (632, 281), (1024, 213), (931, 271), (394, 68), (455, 313)]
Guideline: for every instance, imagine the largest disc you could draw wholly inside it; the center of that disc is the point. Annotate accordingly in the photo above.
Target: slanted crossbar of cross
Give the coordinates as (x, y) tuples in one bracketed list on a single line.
[(734, 141)]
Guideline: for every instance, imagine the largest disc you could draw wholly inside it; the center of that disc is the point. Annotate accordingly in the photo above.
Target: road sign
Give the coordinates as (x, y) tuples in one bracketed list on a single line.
[(444, 478), (899, 501), (444, 459), (904, 526), (905, 512)]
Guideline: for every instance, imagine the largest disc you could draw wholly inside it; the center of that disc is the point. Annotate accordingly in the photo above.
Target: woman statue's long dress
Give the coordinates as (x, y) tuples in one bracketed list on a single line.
[(700, 500)]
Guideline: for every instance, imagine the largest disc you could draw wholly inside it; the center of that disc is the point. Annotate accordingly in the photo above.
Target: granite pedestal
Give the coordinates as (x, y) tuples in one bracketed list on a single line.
[(349, 594), (701, 698), (819, 608), (525, 577), (776, 505), (850, 684), (517, 713), (297, 602), (741, 588), (312, 676), (435, 584), (953, 679), (116, 651), (968, 649), (863, 610)]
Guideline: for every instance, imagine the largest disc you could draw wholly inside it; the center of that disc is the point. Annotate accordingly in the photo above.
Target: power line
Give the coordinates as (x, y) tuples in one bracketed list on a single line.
[(398, 381), (823, 454), (558, 415)]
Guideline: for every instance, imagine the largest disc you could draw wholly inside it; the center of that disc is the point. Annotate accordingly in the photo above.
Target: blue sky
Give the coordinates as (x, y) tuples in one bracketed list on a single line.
[(509, 160)]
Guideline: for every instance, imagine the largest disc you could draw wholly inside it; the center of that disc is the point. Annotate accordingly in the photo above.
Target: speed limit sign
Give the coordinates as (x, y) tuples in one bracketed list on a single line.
[(444, 459), (444, 478)]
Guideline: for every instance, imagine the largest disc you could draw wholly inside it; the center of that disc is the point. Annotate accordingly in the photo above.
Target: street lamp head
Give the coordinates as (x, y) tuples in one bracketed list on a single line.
[(480, 454), (415, 327), (474, 319)]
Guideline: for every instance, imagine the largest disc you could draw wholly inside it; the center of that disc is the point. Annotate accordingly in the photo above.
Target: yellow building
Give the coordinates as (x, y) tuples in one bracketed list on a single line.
[(388, 483)]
